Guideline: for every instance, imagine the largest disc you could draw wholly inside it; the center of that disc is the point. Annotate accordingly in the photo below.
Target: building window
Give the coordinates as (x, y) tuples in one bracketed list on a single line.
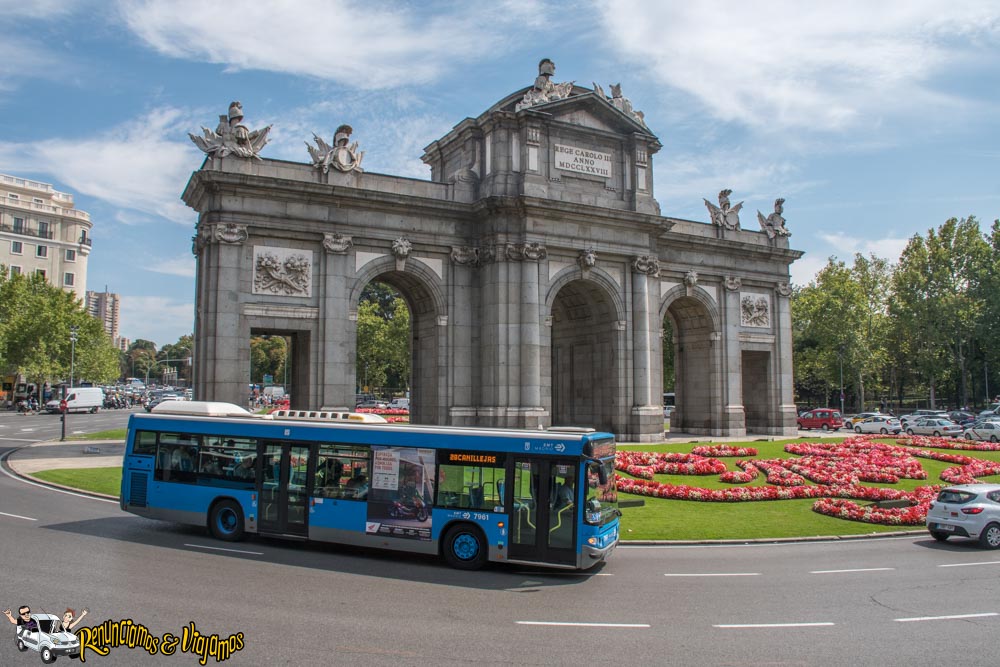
[(68, 279), (15, 270), (16, 248), (40, 272), (42, 251), (38, 201), (70, 255), (18, 225), (43, 229), (12, 195)]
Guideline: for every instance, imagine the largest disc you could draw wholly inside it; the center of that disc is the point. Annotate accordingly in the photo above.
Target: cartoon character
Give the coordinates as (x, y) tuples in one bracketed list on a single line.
[(69, 620), (23, 620), (46, 633)]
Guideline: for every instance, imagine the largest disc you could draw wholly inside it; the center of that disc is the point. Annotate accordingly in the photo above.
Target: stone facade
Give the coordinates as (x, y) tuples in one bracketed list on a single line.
[(536, 265)]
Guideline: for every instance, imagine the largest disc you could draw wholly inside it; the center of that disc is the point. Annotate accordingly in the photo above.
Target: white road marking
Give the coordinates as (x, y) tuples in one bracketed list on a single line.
[(27, 430), (567, 574), (989, 562), (860, 569), (235, 551), (586, 625), (917, 534), (944, 618), (774, 625), (18, 516), (715, 574)]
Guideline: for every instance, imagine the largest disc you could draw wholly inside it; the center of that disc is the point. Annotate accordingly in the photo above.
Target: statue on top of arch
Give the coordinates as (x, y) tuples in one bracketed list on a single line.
[(232, 137), (774, 224), (620, 102), (725, 215), (341, 156), (544, 90)]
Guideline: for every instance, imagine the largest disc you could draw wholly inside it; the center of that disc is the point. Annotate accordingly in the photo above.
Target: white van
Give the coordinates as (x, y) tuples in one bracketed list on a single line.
[(399, 404), (80, 399)]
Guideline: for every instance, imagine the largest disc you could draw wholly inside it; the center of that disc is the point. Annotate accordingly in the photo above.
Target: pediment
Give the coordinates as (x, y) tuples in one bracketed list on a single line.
[(584, 107)]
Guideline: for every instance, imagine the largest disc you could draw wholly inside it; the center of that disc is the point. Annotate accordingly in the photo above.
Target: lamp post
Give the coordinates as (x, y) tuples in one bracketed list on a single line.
[(72, 353), (164, 361), (840, 356)]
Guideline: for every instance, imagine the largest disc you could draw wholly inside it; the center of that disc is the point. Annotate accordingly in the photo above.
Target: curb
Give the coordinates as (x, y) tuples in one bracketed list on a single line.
[(5, 464)]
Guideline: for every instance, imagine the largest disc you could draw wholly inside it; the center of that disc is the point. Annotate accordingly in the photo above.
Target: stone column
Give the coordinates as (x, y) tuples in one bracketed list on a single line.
[(531, 372), (337, 365), (222, 376), (645, 419), (785, 415), (733, 415)]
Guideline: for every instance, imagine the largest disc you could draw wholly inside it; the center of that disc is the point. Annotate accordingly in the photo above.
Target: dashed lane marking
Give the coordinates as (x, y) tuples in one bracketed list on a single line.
[(235, 551), (585, 625), (772, 625), (989, 562), (860, 569), (18, 516), (944, 618), (714, 574)]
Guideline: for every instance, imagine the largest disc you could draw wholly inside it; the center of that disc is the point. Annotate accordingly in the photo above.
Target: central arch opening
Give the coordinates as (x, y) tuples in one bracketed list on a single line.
[(397, 344), (688, 331), (585, 377)]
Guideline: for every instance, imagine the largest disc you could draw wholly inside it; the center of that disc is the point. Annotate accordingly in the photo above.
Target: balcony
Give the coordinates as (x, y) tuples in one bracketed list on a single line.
[(86, 240), (24, 230)]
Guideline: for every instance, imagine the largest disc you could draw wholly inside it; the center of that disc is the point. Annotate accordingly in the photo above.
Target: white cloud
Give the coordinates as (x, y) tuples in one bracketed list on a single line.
[(22, 59), (845, 247), (804, 270), (183, 266), (362, 44), (159, 319), (37, 9), (777, 64), (134, 166)]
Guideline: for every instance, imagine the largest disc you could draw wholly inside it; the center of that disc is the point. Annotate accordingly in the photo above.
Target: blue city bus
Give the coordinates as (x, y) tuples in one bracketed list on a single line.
[(472, 495)]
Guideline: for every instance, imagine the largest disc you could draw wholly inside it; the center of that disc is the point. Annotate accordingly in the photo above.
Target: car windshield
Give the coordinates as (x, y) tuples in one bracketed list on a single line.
[(45, 625)]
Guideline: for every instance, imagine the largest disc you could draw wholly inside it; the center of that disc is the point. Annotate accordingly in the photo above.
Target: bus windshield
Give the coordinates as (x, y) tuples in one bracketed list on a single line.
[(601, 506)]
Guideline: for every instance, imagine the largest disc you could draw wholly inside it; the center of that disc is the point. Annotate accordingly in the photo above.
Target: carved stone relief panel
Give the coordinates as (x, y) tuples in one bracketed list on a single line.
[(755, 310), (282, 271)]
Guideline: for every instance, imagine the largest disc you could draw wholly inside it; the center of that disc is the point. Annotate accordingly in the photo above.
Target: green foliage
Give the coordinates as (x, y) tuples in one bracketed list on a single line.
[(36, 319), (383, 338), (268, 356)]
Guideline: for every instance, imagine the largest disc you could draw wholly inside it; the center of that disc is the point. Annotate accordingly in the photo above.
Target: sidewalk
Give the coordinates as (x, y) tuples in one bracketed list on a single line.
[(70, 454)]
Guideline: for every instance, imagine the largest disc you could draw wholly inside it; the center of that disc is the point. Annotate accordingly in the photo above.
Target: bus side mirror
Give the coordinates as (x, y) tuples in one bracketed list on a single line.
[(602, 474)]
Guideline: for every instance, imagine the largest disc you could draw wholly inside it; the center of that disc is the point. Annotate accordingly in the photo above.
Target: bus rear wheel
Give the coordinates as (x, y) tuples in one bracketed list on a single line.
[(465, 547), (225, 521)]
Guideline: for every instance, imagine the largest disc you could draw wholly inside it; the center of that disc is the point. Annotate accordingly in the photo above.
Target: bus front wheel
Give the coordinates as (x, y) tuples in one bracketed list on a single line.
[(225, 521), (465, 547)]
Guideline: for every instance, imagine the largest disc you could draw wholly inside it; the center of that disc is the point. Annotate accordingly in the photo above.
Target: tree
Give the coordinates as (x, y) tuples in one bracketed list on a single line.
[(934, 299), (268, 356), (383, 328), (37, 319)]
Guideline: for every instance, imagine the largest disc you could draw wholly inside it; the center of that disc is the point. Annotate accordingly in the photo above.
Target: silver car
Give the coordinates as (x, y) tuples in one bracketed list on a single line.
[(935, 427), (883, 424), (967, 510), (983, 431)]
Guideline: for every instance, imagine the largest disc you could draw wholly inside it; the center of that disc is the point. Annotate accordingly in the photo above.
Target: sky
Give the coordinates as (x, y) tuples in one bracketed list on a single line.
[(875, 121)]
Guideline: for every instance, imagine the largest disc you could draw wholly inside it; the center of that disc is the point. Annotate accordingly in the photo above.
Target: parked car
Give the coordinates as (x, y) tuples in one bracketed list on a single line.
[(371, 405), (935, 427), (967, 510), (162, 399), (399, 404), (983, 431), (827, 419), (849, 422), (668, 411), (959, 416), (993, 409), (50, 645), (883, 424), (923, 414)]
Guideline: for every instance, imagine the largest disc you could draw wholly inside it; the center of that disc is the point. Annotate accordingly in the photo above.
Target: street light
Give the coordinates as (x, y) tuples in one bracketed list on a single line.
[(72, 353), (164, 361), (840, 356)]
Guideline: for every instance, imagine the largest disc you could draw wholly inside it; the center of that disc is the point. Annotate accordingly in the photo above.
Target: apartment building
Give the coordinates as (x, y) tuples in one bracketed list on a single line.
[(42, 232), (105, 306)]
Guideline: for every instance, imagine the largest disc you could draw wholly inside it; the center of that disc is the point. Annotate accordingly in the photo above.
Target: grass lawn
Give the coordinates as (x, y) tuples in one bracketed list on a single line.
[(662, 519), (113, 434), (98, 480)]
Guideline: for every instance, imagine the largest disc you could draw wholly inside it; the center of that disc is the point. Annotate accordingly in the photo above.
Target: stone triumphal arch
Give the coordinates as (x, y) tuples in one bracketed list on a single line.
[(536, 264)]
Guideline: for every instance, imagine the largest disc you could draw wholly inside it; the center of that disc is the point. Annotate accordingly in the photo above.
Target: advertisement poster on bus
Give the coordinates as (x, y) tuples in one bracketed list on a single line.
[(402, 493)]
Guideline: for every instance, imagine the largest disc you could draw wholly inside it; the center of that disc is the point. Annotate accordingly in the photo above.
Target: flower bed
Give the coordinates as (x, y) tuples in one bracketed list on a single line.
[(723, 451), (836, 471)]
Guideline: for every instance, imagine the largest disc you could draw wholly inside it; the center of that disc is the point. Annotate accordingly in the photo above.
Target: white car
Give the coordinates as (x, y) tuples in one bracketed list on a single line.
[(851, 422), (883, 424), (983, 431), (967, 510), (936, 427), (50, 645)]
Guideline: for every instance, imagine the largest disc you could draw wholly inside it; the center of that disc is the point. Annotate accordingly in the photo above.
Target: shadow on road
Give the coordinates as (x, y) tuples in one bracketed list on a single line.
[(325, 557)]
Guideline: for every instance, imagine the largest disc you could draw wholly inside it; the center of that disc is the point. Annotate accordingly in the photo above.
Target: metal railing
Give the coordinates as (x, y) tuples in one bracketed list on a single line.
[(24, 230)]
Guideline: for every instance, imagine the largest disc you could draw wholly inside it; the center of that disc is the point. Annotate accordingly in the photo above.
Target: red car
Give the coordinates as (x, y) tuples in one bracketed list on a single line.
[(823, 418)]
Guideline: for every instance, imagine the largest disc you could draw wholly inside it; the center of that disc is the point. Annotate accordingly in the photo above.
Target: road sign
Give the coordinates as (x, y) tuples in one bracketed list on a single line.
[(62, 405)]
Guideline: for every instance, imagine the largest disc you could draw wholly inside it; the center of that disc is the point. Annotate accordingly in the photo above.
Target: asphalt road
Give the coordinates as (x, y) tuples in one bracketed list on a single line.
[(897, 601)]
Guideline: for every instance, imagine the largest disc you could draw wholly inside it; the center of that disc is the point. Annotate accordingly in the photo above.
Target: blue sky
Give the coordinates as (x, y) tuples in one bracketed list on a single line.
[(874, 120)]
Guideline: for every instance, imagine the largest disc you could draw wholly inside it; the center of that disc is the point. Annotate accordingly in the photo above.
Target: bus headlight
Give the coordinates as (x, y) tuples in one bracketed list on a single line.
[(592, 541)]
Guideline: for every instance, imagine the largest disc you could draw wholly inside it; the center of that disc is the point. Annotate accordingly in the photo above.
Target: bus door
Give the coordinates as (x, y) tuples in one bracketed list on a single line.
[(282, 488), (543, 512)]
